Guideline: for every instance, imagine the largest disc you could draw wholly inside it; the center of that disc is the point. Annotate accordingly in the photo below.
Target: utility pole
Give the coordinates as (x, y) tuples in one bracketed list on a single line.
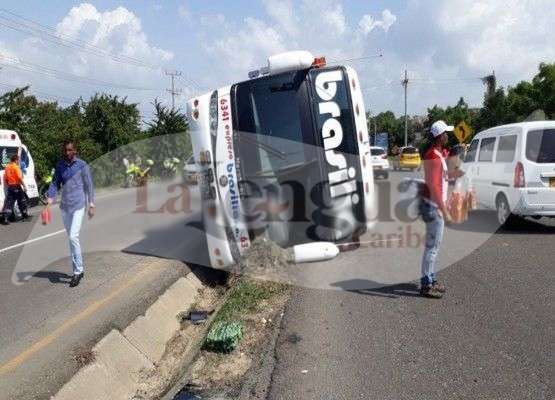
[(372, 119), (405, 83), (173, 90), (490, 81)]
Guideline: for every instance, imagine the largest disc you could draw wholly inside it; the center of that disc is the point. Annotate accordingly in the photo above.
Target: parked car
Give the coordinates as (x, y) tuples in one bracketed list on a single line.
[(380, 163), (190, 172), (512, 168), (408, 157)]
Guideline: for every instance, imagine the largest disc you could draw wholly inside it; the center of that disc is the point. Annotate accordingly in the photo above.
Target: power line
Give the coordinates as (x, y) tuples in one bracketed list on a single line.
[(38, 93), (36, 29), (362, 58), (49, 34), (41, 69)]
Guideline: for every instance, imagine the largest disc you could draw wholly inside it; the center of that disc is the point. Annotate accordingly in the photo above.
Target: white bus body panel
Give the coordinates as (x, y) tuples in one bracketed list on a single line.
[(223, 213), (363, 140)]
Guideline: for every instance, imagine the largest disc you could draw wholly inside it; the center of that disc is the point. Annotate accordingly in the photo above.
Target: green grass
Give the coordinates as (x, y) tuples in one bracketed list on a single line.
[(245, 298)]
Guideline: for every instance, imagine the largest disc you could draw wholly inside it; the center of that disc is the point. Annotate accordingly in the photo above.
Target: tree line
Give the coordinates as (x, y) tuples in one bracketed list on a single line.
[(107, 128), (528, 100)]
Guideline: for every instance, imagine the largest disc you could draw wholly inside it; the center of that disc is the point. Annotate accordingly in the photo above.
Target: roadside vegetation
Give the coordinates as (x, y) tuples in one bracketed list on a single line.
[(256, 305), (247, 297), (100, 125), (528, 100)]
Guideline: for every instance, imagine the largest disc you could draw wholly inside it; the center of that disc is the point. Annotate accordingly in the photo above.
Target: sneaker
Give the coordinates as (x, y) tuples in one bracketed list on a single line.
[(430, 292), (75, 280), (439, 287)]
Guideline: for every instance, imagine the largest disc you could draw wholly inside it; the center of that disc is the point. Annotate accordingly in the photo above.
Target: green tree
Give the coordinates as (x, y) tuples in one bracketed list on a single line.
[(452, 115), (386, 122), (494, 112), (168, 134), (112, 121), (521, 101), (544, 89)]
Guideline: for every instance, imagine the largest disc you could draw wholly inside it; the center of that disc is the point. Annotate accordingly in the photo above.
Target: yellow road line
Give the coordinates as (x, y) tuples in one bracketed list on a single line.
[(45, 341)]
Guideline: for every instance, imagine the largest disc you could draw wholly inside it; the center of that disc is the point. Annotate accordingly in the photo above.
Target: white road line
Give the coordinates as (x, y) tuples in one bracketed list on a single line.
[(15, 246), (31, 241)]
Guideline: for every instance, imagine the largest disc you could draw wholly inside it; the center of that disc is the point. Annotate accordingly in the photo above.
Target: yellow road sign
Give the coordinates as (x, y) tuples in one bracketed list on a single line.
[(462, 131)]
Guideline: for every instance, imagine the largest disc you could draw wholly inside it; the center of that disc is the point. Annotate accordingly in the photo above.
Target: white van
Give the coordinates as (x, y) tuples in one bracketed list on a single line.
[(10, 144), (512, 168)]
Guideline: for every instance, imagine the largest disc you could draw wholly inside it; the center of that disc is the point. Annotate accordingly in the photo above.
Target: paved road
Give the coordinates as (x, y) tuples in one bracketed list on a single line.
[(490, 337), (44, 322)]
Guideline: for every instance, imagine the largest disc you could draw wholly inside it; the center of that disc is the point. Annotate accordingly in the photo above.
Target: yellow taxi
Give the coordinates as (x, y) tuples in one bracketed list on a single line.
[(408, 157)]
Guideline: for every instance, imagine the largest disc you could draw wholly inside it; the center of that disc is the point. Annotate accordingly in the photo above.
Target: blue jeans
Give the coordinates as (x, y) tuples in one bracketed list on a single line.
[(72, 223), (434, 234)]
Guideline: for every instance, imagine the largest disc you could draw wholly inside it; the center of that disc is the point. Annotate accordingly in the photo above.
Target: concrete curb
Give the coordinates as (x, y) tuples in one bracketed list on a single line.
[(120, 357)]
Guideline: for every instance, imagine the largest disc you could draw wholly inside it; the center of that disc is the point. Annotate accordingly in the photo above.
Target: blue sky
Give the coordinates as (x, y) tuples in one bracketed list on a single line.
[(446, 45)]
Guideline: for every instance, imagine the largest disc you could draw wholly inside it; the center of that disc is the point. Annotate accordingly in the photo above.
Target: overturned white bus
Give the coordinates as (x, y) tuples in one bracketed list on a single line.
[(284, 154)]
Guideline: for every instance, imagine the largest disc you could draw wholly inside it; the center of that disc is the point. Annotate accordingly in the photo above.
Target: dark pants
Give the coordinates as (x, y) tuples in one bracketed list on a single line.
[(15, 193)]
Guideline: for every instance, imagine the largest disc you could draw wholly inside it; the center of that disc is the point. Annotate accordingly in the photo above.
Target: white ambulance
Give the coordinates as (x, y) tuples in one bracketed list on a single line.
[(11, 144)]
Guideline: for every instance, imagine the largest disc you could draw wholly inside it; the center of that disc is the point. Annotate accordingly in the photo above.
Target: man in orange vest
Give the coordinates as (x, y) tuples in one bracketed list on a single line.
[(16, 190)]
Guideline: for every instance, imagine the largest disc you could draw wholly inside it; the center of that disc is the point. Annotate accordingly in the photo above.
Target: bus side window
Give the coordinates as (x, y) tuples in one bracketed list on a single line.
[(471, 154)]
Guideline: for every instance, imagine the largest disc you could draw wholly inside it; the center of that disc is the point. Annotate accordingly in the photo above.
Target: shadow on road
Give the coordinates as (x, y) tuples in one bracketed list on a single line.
[(485, 221), (52, 276), (525, 225), (184, 240), (371, 288), (480, 221)]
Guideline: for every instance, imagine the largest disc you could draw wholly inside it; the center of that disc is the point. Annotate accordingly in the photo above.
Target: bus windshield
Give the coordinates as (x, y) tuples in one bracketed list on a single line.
[(5, 154), (271, 123)]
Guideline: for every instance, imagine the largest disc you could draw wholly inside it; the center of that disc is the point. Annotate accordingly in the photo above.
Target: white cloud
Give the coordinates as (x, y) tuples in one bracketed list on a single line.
[(509, 36), (243, 50), (320, 27), (284, 15), (212, 20), (113, 32), (367, 23), (117, 31), (336, 19), (184, 12)]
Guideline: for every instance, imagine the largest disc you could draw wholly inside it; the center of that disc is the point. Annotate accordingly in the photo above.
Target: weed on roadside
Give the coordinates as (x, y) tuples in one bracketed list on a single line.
[(83, 356)]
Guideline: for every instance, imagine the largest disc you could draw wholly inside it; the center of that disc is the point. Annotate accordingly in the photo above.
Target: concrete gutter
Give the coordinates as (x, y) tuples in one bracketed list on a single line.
[(123, 357)]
